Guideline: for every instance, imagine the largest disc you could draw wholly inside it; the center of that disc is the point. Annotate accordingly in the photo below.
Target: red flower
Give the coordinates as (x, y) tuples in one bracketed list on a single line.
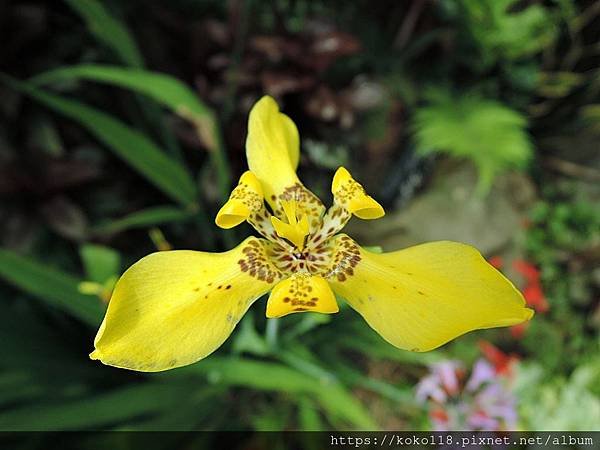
[(502, 362), (439, 414), (518, 331), (535, 297), (532, 291), (496, 261), (528, 270)]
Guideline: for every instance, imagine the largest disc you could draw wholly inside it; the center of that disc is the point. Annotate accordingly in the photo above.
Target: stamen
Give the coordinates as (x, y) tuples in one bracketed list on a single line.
[(295, 230)]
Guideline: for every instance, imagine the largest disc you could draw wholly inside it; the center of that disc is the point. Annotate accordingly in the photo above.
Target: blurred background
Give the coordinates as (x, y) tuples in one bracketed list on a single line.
[(122, 128)]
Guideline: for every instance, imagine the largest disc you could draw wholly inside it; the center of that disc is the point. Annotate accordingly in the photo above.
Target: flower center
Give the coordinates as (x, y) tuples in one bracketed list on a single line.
[(333, 257), (315, 260), (296, 248), (300, 232)]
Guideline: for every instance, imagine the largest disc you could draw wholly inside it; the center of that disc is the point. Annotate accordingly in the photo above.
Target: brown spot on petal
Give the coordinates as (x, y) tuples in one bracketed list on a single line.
[(257, 263)]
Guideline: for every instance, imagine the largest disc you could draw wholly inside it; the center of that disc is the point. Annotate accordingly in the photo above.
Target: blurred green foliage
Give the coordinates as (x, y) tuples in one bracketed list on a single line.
[(162, 92), (502, 31), (483, 131), (565, 227)]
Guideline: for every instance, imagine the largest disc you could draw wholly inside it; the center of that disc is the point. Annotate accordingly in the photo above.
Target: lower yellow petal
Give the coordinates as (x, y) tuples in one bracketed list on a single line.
[(300, 293), (173, 308), (424, 296)]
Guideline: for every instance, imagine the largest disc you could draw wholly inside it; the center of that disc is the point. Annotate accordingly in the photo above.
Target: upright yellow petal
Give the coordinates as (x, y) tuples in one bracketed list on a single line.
[(422, 297), (293, 140), (173, 308), (272, 147)]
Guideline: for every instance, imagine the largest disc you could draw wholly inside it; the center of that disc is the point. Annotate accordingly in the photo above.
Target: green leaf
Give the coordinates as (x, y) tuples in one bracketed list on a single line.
[(332, 397), (114, 34), (17, 386), (56, 288), (46, 351), (101, 263), (142, 219), (97, 411), (302, 359), (559, 84), (164, 89), (130, 145), (559, 404), (308, 416), (247, 339), (502, 32), (488, 133), (108, 30), (195, 413), (400, 396), (44, 135)]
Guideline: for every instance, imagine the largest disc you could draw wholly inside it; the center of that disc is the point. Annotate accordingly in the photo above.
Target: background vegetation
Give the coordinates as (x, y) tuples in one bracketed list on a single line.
[(122, 130)]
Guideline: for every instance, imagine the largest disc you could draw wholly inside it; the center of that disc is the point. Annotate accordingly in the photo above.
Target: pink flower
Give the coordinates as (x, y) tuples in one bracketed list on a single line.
[(482, 403)]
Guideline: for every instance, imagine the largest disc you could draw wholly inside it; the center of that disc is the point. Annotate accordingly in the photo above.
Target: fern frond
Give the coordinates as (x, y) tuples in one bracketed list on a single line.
[(490, 134)]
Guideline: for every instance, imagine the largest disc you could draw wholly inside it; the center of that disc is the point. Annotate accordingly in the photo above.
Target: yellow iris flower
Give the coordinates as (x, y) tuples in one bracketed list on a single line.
[(174, 308)]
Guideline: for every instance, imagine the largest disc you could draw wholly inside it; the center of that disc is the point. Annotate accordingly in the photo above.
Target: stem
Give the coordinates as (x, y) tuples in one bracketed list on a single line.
[(272, 333)]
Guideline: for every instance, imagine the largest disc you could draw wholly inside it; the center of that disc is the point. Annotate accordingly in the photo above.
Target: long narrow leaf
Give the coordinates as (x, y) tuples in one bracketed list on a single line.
[(56, 288), (108, 30), (98, 411), (130, 145), (164, 89), (268, 376), (145, 218), (113, 33)]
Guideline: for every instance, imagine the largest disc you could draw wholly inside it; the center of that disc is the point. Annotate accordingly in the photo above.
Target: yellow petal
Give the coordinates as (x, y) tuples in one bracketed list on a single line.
[(245, 200), (352, 196), (292, 138), (422, 297), (272, 147), (299, 293), (173, 308)]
